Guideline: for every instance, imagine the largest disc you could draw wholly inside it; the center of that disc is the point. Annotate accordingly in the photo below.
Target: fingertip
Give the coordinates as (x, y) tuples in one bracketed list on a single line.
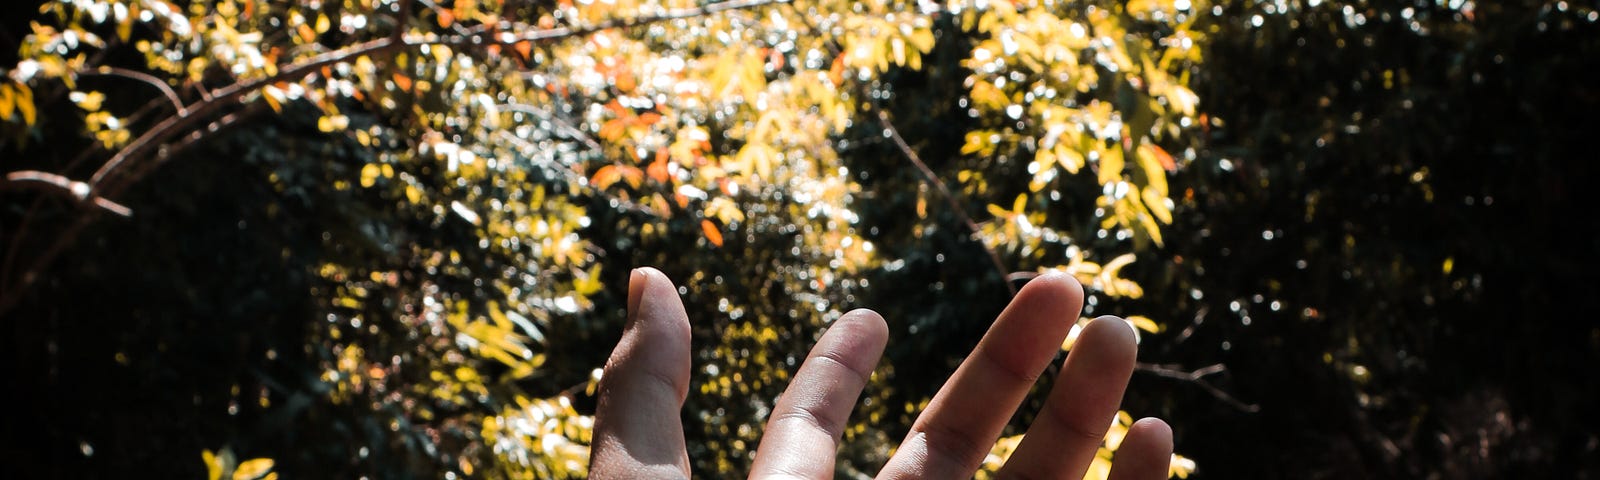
[(1056, 282), (871, 323), (1112, 330), (1146, 453), (1152, 430), (647, 289), (857, 339), (1050, 302)]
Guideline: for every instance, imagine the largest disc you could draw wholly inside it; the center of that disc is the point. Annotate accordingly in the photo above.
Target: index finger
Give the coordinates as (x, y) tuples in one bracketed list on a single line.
[(951, 437), (802, 436)]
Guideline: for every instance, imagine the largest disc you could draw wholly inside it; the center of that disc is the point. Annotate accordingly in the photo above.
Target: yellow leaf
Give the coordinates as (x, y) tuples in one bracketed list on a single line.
[(1111, 164), (1070, 159), (923, 40), (1180, 466), (588, 283), (6, 101), (1144, 323), (725, 210), (998, 212), (369, 175), (252, 469), (274, 98), (1155, 171), (213, 465), (125, 25), (1157, 204)]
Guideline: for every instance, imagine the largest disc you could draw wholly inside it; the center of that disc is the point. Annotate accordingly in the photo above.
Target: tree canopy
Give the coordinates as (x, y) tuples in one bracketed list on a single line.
[(391, 238)]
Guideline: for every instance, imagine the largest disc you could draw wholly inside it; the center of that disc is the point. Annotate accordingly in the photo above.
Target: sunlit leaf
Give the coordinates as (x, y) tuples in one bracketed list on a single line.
[(252, 469), (713, 234)]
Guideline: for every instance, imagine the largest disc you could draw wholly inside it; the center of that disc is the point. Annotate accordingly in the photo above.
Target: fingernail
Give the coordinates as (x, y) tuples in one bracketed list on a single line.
[(638, 280)]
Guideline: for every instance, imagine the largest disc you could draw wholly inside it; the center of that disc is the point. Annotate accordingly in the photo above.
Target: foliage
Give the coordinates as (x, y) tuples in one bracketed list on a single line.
[(409, 262), (499, 160)]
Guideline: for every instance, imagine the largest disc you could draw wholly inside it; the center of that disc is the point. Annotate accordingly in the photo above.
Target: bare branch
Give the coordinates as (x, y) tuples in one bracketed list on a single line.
[(543, 35), (949, 197), (1197, 377), (52, 183), (172, 96), (560, 124)]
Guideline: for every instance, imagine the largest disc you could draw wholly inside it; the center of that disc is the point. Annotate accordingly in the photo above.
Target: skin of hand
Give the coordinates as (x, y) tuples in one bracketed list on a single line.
[(638, 432)]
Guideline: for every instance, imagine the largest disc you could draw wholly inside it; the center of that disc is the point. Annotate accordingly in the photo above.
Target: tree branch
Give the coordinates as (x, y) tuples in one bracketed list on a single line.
[(227, 95), (110, 178), (172, 96), (1197, 377), (57, 184), (929, 177)]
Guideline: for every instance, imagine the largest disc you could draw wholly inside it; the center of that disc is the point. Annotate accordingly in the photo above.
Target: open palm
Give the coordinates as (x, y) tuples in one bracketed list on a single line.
[(638, 433)]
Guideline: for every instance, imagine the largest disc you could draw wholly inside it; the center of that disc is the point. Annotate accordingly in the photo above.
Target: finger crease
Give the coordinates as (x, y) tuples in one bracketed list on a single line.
[(957, 446), (1059, 417), (835, 358), (1023, 375)]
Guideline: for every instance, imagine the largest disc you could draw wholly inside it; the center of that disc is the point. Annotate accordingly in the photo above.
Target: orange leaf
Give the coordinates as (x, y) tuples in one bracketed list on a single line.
[(617, 109), (524, 48), (625, 81), (658, 169), (712, 234), (1165, 158), (605, 177), (446, 19), (402, 82), (633, 175), (613, 129)]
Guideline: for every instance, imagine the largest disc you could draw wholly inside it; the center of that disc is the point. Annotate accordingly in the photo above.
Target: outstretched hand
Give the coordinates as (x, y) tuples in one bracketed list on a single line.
[(638, 433)]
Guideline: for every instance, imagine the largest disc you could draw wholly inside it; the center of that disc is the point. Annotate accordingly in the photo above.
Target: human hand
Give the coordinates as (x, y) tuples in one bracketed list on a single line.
[(638, 433)]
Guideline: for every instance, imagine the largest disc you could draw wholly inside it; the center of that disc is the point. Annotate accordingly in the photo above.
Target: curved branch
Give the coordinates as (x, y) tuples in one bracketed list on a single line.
[(1197, 377), (172, 96), (949, 197), (57, 184)]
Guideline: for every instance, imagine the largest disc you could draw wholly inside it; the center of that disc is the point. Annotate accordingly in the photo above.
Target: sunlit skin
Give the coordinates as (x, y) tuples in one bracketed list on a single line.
[(638, 433)]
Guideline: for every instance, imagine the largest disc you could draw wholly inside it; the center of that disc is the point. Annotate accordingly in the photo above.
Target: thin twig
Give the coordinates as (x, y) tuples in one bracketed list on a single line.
[(560, 124), (172, 96), (949, 197), (1197, 377), (57, 184)]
